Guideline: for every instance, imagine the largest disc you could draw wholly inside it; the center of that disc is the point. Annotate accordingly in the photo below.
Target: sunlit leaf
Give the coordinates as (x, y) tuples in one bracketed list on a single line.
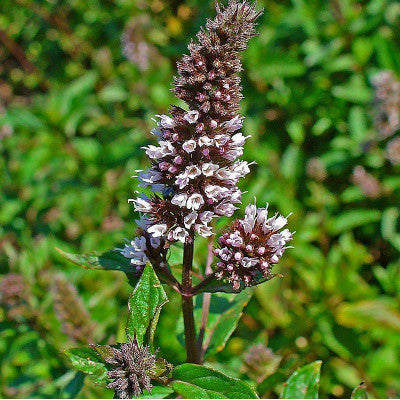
[(303, 383), (199, 382)]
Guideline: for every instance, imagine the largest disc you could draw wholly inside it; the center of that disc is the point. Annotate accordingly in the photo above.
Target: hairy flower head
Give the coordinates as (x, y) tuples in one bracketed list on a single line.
[(132, 368)]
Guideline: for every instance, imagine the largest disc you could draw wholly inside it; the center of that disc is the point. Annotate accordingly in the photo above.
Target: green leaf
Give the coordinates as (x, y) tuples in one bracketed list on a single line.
[(109, 260), (389, 221), (87, 360), (158, 392), (199, 382), (351, 219), (358, 124), (145, 305), (225, 312), (360, 392), (73, 387), (354, 91), (303, 383), (382, 314), (21, 118)]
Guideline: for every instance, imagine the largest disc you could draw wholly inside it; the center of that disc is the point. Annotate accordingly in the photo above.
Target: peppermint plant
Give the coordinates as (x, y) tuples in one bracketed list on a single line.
[(193, 180)]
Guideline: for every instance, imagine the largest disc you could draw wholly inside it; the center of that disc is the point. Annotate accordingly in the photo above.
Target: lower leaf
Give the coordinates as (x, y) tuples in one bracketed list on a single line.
[(88, 361), (198, 382), (303, 383)]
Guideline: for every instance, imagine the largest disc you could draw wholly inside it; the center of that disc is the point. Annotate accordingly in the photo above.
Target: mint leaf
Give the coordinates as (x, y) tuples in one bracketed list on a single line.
[(109, 260), (87, 360), (225, 312), (303, 383), (145, 305), (198, 382), (157, 392), (73, 387)]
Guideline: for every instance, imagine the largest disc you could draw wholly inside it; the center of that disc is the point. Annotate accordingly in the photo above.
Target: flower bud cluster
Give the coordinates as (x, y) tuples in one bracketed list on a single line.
[(14, 296), (71, 312), (135, 47), (393, 151), (386, 103), (196, 167), (251, 246), (316, 169), (368, 184)]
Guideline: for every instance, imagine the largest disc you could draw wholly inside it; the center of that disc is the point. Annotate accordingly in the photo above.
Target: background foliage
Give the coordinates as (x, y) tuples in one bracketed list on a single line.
[(74, 114)]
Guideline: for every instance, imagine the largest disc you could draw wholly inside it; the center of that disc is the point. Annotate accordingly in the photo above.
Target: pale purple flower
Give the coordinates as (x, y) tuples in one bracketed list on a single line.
[(196, 167)]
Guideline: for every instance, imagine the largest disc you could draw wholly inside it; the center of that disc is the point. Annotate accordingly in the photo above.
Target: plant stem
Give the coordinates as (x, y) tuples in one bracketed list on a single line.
[(206, 300), (192, 354)]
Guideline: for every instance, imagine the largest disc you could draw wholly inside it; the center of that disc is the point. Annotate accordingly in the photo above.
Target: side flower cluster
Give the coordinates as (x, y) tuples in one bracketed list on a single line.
[(196, 167), (251, 246)]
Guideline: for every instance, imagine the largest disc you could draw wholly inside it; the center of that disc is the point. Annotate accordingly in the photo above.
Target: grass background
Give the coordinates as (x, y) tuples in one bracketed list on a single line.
[(74, 113)]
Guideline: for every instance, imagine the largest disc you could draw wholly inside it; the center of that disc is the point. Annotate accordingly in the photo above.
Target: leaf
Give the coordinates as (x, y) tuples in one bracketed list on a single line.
[(157, 392), (225, 312), (360, 392), (109, 260), (380, 313), (87, 360), (358, 124), (349, 220), (145, 305), (303, 383), (198, 382), (389, 220), (354, 91), (73, 387), (21, 118)]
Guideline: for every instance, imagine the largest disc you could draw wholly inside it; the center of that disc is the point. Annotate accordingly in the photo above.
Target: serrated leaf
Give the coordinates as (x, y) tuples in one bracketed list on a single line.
[(145, 305), (303, 383), (198, 382), (223, 318), (86, 360), (360, 392)]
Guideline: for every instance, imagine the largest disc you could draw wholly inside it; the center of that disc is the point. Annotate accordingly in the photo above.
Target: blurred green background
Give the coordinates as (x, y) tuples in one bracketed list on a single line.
[(79, 84)]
